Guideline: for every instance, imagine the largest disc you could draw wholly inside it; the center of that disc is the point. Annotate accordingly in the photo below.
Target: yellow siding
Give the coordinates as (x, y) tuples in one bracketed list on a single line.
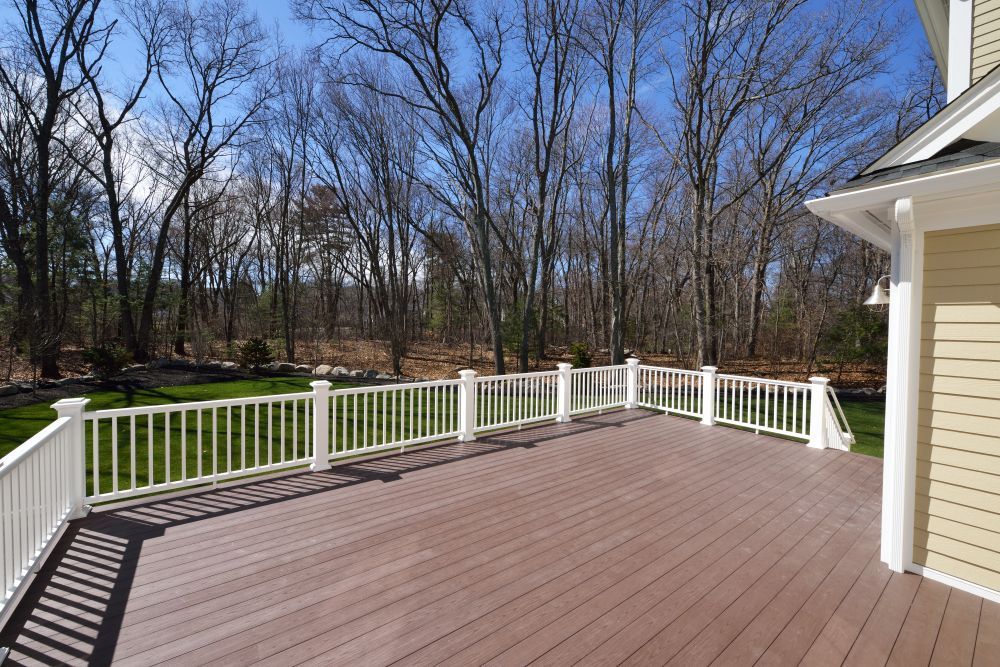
[(985, 37), (957, 503)]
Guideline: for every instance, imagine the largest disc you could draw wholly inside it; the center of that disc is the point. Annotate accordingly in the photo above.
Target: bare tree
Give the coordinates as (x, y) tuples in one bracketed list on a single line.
[(369, 165), (52, 34), (617, 37), (213, 74), (554, 59), (422, 38), (105, 117)]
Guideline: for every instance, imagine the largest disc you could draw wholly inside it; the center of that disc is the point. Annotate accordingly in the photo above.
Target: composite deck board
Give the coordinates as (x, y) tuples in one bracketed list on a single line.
[(623, 537)]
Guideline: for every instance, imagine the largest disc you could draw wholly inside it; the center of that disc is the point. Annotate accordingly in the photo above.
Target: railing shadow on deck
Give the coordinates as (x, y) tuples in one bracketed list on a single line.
[(74, 607)]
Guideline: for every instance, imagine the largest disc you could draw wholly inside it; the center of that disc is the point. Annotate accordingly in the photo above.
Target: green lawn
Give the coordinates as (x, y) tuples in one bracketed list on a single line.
[(19, 424), (867, 420), (278, 433)]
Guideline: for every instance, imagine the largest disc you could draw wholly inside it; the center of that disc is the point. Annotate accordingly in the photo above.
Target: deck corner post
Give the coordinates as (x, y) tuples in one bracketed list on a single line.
[(321, 430), (565, 397), (467, 406), (632, 383), (73, 408), (817, 413), (708, 395)]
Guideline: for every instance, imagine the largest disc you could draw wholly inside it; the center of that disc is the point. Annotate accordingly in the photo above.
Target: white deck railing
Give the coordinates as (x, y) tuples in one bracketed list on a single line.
[(108, 455), (40, 490)]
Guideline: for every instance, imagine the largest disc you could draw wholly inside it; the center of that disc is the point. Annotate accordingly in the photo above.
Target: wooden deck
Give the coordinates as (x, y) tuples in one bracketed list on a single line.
[(623, 538)]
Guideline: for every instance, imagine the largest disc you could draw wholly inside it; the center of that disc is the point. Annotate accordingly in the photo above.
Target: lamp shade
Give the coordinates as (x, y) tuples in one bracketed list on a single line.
[(879, 296)]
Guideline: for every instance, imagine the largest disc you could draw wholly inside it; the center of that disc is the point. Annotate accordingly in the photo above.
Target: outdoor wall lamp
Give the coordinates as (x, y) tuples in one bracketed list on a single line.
[(880, 295)]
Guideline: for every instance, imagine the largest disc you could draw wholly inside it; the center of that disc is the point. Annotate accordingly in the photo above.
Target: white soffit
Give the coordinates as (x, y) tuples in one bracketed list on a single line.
[(934, 17)]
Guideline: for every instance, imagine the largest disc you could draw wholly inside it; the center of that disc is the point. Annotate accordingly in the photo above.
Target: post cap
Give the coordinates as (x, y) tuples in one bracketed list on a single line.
[(467, 373), (320, 383), (66, 403), (564, 366), (819, 380), (709, 369), (632, 361)]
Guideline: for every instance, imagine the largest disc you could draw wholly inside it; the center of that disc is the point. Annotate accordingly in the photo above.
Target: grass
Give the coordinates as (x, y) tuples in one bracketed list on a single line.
[(225, 439), (19, 424), (867, 420)]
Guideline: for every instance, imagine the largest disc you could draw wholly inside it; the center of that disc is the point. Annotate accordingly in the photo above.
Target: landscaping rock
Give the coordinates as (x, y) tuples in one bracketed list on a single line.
[(371, 374), (323, 369), (383, 376), (213, 364), (134, 367), (357, 374), (285, 367), (229, 365), (9, 389), (162, 362), (303, 368), (340, 371), (881, 389)]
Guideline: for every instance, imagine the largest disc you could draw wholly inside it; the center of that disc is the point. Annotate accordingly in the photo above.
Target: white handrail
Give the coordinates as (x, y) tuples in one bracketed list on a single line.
[(36, 500), (131, 452), (842, 423), (839, 432), (770, 406), (514, 400), (138, 451), (670, 389), (197, 405), (600, 388)]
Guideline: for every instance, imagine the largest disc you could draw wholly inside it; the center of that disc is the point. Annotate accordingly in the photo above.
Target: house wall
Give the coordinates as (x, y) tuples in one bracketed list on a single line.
[(957, 500), (985, 37)]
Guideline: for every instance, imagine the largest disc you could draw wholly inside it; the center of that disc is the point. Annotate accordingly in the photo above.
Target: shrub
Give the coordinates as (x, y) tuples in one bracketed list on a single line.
[(580, 355), (254, 353), (107, 360)]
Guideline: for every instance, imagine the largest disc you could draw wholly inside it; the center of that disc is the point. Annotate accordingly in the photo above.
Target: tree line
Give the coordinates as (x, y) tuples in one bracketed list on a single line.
[(628, 174)]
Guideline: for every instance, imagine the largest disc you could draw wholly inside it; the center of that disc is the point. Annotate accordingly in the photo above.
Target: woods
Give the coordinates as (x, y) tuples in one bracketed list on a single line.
[(176, 177)]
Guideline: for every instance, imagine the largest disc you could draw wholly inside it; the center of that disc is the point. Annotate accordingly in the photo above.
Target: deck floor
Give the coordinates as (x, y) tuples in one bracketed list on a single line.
[(627, 537)]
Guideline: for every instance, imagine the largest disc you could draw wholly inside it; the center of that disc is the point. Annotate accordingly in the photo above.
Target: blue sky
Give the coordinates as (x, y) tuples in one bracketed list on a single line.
[(294, 34)]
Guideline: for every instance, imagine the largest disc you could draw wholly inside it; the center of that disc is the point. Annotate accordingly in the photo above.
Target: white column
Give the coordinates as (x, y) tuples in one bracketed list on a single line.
[(632, 383), (73, 408), (565, 389), (467, 406), (902, 389), (817, 413), (708, 395), (321, 425)]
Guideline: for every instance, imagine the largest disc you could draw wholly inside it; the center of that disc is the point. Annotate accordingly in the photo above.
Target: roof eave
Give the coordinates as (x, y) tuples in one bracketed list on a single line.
[(934, 17), (865, 211)]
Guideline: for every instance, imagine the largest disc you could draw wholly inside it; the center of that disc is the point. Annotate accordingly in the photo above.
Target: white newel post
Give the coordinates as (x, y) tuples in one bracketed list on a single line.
[(708, 395), (817, 413), (565, 388), (467, 406), (632, 383), (73, 408), (321, 425)]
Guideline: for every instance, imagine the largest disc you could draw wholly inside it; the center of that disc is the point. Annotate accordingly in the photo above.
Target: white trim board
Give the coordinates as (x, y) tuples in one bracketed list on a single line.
[(955, 582), (866, 211), (959, 119)]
